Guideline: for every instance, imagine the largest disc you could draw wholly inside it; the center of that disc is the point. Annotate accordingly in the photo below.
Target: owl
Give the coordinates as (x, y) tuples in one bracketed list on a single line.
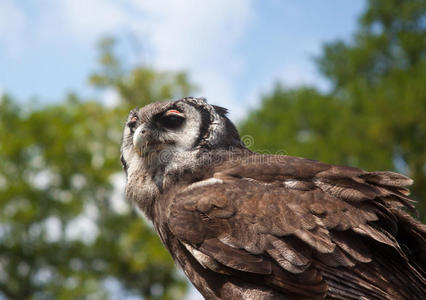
[(243, 225)]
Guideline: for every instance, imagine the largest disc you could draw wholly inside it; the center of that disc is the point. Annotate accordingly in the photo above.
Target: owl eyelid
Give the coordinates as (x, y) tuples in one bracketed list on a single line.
[(173, 112)]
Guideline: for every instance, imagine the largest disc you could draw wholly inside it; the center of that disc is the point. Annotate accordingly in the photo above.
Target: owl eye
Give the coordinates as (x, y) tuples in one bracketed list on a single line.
[(172, 119)]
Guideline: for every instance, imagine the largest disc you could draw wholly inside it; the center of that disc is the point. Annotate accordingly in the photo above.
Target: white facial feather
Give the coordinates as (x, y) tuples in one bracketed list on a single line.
[(188, 134)]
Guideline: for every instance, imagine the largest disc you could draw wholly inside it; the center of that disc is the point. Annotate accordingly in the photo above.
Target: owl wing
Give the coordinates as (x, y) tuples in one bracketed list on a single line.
[(303, 227)]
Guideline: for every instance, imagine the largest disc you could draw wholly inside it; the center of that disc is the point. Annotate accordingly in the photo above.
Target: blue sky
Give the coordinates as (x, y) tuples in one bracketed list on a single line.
[(234, 50)]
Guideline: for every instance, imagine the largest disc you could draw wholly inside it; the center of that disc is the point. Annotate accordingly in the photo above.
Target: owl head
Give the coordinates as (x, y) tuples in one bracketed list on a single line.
[(159, 131)]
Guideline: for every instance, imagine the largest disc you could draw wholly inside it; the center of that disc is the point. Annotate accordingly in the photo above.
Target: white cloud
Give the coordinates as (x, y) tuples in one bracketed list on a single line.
[(193, 33), (84, 21), (199, 36), (94, 18)]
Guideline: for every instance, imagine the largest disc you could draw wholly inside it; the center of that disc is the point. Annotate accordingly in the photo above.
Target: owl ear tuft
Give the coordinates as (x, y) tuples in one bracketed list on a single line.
[(220, 110)]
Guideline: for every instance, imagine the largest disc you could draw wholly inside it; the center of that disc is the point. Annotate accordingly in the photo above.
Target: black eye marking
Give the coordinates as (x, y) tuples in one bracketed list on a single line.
[(171, 119), (124, 163), (171, 122)]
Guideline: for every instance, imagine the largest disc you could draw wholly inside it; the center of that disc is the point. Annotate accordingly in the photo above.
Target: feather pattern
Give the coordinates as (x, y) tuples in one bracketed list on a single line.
[(333, 221)]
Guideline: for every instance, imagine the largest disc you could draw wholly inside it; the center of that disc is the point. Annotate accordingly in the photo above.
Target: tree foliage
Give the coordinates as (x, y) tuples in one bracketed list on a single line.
[(64, 234), (374, 117)]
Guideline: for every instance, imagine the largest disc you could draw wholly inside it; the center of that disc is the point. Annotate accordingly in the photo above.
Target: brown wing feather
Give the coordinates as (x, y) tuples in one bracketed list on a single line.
[(306, 228)]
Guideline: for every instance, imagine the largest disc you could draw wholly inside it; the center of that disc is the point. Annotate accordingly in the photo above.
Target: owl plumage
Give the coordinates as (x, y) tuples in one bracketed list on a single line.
[(249, 226)]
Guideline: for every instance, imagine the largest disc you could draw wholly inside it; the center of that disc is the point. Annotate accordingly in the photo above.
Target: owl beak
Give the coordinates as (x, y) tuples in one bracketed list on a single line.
[(138, 139)]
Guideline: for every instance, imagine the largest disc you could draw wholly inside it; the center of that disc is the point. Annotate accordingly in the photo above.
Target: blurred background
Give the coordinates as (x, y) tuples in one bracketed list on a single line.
[(343, 82)]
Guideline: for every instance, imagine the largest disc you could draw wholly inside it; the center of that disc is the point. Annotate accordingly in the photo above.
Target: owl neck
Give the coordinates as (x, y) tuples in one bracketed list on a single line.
[(166, 170)]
